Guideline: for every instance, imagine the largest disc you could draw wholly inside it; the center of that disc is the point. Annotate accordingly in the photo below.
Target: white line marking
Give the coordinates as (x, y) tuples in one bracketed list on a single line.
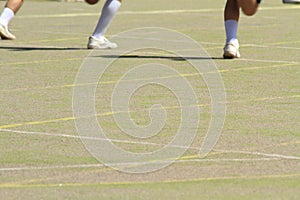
[(92, 138), (136, 163), (270, 46), (268, 61), (260, 154), (150, 144)]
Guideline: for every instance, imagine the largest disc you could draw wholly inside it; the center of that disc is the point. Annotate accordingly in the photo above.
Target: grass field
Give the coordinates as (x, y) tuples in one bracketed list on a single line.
[(256, 157)]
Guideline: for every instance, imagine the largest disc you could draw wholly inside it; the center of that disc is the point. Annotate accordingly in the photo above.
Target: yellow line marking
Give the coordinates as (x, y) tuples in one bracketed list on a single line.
[(293, 142), (175, 181), (50, 121), (279, 43), (288, 143), (38, 122), (112, 113), (260, 67), (265, 99), (40, 61), (31, 181), (53, 40), (113, 82)]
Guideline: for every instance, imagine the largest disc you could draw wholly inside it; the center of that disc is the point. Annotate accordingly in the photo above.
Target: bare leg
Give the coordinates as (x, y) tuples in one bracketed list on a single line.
[(249, 7), (231, 18), (14, 5), (232, 10)]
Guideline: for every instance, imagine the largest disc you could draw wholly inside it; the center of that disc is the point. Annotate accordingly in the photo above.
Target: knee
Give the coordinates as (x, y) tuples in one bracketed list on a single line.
[(249, 12)]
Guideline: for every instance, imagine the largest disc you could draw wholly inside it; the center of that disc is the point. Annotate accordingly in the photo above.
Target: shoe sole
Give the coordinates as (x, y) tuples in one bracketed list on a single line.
[(229, 55), (4, 36), (97, 47)]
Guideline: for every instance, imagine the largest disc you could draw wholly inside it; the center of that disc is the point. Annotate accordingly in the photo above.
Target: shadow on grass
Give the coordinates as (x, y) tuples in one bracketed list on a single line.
[(41, 48), (174, 58)]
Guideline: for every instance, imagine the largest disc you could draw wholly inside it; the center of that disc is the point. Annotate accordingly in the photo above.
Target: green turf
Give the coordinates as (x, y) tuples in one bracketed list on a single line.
[(264, 188), (256, 157)]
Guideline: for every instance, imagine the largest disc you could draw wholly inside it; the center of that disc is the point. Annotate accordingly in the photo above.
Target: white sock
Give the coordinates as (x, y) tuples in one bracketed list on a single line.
[(109, 10), (231, 27), (6, 16)]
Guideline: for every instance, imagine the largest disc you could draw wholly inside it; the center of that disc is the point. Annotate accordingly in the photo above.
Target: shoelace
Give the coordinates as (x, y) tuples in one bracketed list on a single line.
[(105, 39)]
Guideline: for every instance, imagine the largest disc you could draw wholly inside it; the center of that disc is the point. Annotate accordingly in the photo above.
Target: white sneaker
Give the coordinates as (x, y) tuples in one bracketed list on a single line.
[(291, 1), (5, 34), (102, 43), (231, 50)]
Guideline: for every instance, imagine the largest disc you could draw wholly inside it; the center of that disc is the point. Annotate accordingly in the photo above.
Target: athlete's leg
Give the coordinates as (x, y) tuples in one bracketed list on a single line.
[(249, 7), (291, 1), (232, 10), (14, 5), (11, 8), (97, 40), (231, 18), (109, 11)]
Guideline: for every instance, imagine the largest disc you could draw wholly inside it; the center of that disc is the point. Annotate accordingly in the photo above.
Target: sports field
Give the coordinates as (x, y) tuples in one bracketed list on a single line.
[(256, 157)]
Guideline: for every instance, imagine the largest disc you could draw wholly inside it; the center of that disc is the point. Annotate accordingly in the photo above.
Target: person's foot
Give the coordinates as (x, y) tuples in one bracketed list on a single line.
[(231, 50), (291, 1), (102, 43), (5, 34)]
